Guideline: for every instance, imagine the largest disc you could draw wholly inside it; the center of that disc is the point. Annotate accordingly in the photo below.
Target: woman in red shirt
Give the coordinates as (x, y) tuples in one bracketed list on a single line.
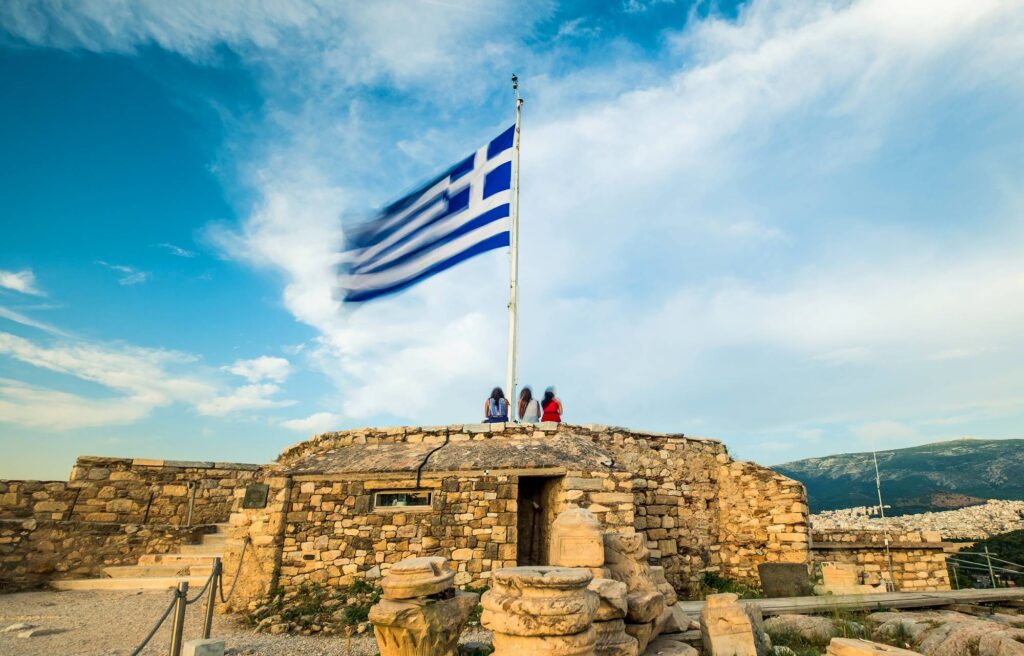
[(551, 405)]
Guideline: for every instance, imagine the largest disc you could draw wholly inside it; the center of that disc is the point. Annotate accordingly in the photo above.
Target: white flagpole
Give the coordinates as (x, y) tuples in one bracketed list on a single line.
[(513, 278)]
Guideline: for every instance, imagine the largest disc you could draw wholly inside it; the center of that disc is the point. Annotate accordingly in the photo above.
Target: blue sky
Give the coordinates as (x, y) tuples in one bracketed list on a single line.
[(791, 225)]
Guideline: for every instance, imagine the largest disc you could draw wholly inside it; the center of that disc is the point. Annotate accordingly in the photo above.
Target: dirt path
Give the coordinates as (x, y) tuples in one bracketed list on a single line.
[(113, 623)]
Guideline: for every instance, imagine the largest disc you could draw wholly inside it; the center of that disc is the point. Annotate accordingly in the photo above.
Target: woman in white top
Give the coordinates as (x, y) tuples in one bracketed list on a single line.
[(529, 407)]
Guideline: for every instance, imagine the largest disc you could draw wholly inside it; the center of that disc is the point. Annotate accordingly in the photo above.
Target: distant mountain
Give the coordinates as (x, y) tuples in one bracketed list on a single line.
[(938, 476)]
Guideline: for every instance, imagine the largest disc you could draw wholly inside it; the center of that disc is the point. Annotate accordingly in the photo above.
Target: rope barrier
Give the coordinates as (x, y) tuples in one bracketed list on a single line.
[(206, 585), (238, 570), (159, 623)]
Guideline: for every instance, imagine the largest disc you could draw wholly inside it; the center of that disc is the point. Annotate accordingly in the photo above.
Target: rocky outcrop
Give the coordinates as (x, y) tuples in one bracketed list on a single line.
[(948, 633)]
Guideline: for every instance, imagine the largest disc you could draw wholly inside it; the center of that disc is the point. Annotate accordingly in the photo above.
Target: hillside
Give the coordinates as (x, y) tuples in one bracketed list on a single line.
[(932, 477)]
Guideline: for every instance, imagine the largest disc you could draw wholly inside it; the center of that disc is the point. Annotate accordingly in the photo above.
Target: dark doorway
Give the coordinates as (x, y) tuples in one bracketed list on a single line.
[(537, 495)]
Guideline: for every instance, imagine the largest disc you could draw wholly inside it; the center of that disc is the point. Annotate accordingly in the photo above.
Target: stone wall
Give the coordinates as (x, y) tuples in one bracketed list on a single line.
[(130, 491), (763, 518), (918, 557), (699, 510), (34, 551)]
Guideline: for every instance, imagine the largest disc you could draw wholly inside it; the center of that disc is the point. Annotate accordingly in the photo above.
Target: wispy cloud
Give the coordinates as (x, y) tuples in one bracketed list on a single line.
[(18, 317), (177, 250), (129, 275), (319, 422), (23, 281), (141, 380), (262, 368)]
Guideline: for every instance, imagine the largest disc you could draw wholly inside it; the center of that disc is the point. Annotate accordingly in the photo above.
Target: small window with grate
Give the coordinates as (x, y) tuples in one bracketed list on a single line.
[(401, 499)]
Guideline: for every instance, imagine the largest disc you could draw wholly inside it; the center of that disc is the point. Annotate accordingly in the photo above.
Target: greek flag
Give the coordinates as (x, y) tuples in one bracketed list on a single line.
[(459, 214)]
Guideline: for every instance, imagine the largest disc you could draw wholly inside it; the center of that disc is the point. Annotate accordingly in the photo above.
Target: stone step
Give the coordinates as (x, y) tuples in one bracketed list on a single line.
[(171, 570), (215, 539), (177, 559), (201, 549), (129, 583)]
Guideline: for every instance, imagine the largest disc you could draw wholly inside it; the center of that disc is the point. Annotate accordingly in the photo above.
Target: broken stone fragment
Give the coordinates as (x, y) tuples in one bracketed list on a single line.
[(539, 601), (577, 644), (612, 639), (857, 647), (418, 577), (725, 627), (612, 596), (421, 627)]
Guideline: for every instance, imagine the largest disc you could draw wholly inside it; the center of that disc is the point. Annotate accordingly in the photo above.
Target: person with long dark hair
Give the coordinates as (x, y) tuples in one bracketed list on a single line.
[(551, 405), (496, 407), (529, 407)]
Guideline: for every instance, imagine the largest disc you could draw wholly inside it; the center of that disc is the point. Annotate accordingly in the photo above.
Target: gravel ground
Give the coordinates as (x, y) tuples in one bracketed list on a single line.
[(113, 623)]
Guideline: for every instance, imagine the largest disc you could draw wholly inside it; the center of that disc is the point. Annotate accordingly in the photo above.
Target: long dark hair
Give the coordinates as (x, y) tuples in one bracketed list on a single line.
[(496, 393), (526, 395), (548, 398)]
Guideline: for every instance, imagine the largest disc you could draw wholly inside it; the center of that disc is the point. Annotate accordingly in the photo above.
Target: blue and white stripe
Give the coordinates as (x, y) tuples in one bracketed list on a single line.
[(459, 214)]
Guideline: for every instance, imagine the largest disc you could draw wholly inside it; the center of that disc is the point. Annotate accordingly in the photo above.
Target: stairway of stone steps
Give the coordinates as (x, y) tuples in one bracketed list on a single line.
[(192, 563)]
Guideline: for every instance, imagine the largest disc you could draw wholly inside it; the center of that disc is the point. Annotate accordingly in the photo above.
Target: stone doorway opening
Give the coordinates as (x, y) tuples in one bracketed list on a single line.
[(537, 496)]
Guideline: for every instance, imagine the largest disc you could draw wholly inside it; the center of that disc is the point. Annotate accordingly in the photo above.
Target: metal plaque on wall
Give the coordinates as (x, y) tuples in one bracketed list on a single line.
[(256, 495)]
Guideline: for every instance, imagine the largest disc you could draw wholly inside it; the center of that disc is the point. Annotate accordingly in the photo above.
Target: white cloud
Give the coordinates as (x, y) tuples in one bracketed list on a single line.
[(262, 368), (320, 422), (129, 275), (23, 281), (142, 380), (246, 397), (177, 250), (18, 317), (36, 407)]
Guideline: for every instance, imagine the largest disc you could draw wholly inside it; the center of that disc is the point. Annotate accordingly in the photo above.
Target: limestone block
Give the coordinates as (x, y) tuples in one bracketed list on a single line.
[(668, 647), (539, 601), (612, 639), (725, 627), (207, 647), (643, 633), (577, 644), (855, 647), (626, 560), (664, 587), (417, 577), (576, 539), (612, 597), (421, 627)]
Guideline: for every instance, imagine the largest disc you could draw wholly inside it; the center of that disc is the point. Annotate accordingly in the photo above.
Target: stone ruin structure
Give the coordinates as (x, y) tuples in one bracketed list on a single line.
[(600, 598), (485, 497), (352, 504)]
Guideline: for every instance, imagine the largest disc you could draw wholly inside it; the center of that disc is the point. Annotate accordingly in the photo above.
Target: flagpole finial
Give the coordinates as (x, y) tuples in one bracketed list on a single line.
[(515, 85)]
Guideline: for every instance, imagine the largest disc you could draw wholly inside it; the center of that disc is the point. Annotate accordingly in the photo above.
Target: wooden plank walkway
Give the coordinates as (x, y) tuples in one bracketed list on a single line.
[(872, 602)]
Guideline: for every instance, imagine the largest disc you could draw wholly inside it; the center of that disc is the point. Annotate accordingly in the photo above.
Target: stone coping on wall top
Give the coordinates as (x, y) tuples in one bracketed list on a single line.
[(517, 453), (893, 546), (35, 521), (548, 427), (155, 462)]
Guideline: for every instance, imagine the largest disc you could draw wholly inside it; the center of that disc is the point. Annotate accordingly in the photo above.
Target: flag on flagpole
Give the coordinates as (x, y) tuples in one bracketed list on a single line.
[(460, 213)]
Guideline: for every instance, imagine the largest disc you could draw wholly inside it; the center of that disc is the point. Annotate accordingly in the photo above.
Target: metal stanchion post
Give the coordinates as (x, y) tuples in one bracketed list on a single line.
[(211, 597), (179, 619), (991, 574)]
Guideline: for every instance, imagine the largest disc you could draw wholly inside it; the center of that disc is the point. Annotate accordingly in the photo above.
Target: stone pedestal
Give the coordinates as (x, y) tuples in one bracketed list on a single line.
[(576, 540), (540, 610), (420, 615), (725, 627)]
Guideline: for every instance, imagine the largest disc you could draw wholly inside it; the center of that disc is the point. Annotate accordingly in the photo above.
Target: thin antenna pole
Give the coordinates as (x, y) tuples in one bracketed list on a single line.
[(513, 277), (881, 512)]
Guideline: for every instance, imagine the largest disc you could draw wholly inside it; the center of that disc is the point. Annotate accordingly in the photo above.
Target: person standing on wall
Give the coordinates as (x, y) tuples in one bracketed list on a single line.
[(529, 407), (552, 406), (496, 407)]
